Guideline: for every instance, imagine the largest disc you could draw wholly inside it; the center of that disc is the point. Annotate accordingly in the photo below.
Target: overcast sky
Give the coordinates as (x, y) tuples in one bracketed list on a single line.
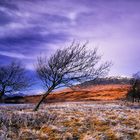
[(29, 28)]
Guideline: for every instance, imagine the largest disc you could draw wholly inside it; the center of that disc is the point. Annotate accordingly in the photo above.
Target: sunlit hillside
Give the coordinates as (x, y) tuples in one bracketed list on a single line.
[(91, 93)]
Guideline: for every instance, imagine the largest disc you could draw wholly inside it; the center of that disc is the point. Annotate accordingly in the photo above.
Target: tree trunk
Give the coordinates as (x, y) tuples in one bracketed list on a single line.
[(1, 95), (42, 99)]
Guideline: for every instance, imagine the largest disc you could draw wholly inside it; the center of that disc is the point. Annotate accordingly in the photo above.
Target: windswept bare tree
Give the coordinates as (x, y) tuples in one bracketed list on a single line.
[(13, 78), (69, 66)]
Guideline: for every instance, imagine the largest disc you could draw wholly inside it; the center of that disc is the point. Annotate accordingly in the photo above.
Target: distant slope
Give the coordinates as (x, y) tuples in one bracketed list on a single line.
[(91, 93), (107, 81)]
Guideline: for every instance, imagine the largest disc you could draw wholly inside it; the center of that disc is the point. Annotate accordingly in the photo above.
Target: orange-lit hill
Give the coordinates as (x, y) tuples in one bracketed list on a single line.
[(91, 93)]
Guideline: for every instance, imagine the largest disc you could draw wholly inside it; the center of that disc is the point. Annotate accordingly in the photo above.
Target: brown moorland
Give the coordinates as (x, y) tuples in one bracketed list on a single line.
[(91, 93)]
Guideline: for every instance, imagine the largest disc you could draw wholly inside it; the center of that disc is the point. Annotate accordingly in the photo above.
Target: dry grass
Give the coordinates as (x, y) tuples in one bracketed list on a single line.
[(113, 120), (92, 93)]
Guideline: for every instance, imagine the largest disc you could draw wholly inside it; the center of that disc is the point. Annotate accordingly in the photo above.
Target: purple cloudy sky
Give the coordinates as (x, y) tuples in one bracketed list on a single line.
[(29, 28)]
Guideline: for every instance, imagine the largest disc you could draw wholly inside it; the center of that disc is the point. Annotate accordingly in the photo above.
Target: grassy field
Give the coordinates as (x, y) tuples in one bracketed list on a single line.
[(93, 120)]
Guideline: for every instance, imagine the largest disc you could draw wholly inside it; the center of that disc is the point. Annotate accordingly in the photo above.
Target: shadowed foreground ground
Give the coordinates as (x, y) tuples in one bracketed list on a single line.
[(96, 120)]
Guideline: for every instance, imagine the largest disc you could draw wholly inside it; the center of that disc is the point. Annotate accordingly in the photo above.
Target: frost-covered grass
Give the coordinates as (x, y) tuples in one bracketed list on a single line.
[(71, 120)]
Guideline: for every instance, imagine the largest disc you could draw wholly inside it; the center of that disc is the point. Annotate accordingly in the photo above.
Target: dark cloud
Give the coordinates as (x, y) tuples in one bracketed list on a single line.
[(30, 42), (29, 39), (5, 59), (4, 18), (9, 4)]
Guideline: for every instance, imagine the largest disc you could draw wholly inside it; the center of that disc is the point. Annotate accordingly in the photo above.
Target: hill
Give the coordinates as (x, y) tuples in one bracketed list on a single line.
[(107, 81), (90, 93)]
